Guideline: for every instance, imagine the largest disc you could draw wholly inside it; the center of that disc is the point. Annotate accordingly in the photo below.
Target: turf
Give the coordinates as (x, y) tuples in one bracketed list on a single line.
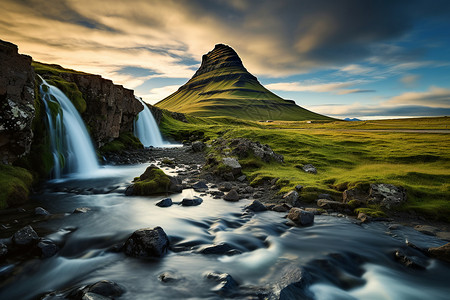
[(344, 158)]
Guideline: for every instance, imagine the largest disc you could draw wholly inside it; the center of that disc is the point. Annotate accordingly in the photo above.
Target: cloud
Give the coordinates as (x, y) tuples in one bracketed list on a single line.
[(434, 102), (158, 94), (355, 69), (338, 88), (409, 80), (434, 97), (274, 38)]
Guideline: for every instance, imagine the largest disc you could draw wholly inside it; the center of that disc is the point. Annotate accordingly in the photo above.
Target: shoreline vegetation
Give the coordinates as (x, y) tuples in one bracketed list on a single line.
[(347, 155)]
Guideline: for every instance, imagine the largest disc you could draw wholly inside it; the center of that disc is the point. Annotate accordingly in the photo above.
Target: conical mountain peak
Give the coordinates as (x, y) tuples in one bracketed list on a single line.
[(223, 87), (221, 56)]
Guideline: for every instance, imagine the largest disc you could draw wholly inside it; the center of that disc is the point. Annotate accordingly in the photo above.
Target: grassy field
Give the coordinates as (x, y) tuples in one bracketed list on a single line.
[(345, 157)]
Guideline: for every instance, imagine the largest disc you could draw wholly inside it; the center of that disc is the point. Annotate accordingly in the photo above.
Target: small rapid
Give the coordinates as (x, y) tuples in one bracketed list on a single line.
[(146, 129), (71, 145), (342, 259)]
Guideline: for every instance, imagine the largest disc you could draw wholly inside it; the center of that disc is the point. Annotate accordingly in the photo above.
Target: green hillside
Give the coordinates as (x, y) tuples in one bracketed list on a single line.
[(223, 87)]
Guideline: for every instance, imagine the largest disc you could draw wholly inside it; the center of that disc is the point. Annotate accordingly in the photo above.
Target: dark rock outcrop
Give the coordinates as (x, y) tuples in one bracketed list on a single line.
[(226, 285), (442, 252), (231, 196), (191, 201), (244, 147), (256, 206), (16, 103), (166, 202), (110, 108), (301, 217), (387, 195), (293, 284), (147, 243), (25, 237)]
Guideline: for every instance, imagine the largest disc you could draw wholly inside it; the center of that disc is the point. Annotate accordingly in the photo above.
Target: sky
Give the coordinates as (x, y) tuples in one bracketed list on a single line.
[(361, 59)]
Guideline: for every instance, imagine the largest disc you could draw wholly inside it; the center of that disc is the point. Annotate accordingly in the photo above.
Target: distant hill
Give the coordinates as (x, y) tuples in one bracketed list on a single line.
[(223, 87), (350, 119)]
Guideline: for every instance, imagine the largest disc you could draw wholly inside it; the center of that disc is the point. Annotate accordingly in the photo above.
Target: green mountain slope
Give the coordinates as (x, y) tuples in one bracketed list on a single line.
[(223, 87)]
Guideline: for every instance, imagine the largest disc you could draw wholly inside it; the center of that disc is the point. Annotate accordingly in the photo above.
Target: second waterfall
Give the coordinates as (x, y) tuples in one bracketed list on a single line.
[(146, 129), (71, 146)]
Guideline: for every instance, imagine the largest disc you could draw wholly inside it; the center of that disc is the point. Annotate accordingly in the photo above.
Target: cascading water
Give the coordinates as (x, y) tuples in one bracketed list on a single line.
[(71, 145), (146, 129)]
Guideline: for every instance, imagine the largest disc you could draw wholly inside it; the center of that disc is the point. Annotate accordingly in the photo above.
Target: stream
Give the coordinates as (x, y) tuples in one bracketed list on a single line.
[(342, 259)]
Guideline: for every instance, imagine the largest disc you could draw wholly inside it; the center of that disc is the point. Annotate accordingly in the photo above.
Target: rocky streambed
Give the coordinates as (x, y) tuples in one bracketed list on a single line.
[(89, 240)]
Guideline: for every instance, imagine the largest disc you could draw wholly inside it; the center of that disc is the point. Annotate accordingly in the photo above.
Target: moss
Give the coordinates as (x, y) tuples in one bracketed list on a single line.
[(168, 161), (125, 141), (152, 181), (15, 184), (354, 204), (71, 90), (371, 212)]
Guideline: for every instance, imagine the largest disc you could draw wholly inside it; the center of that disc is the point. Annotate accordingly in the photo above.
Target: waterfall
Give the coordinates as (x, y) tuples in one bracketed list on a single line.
[(71, 145), (146, 129)]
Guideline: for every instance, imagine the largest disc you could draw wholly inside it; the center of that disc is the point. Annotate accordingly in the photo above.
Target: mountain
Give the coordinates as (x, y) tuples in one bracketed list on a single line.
[(222, 86), (350, 119)]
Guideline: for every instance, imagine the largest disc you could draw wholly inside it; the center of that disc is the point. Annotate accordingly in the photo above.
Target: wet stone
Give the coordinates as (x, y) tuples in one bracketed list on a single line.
[(166, 202), (410, 261), (39, 211), (3, 250), (256, 206), (200, 186), (81, 210), (147, 243), (191, 201), (225, 187), (226, 286), (220, 249), (168, 277), (301, 217), (25, 236), (48, 248), (232, 196)]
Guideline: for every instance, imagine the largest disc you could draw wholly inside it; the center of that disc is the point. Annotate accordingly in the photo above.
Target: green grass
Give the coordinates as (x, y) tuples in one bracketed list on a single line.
[(343, 157), (15, 184)]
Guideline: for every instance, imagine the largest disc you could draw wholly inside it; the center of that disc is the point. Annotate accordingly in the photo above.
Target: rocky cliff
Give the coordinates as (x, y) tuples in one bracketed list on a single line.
[(110, 108), (16, 103)]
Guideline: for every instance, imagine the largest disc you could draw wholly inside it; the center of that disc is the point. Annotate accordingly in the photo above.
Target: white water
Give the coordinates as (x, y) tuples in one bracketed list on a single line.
[(146, 129), (71, 146)]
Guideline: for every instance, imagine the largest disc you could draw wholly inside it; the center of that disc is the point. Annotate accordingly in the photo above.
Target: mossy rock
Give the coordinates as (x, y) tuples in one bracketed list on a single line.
[(71, 90), (371, 212), (152, 181), (15, 184), (125, 141)]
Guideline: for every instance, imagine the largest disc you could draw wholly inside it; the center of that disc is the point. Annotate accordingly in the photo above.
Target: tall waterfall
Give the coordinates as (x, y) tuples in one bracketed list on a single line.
[(146, 129), (71, 145)]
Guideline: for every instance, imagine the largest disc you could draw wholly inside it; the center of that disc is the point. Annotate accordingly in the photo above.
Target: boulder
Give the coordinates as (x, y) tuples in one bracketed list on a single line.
[(200, 186), (233, 164), (106, 288), (176, 185), (256, 206), (152, 181), (243, 147), (3, 250), (39, 211), (191, 201), (48, 248), (147, 243), (300, 216), (241, 178), (168, 277), (198, 146), (354, 194), (232, 196), (225, 187), (427, 229), (25, 236), (220, 249), (330, 204), (293, 284), (291, 197), (309, 168), (442, 252), (282, 207), (226, 286), (410, 261), (387, 195), (166, 202), (81, 210)]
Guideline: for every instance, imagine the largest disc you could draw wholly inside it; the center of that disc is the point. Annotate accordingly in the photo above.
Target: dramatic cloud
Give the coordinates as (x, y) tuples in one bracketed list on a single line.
[(339, 88), (435, 102), (435, 97)]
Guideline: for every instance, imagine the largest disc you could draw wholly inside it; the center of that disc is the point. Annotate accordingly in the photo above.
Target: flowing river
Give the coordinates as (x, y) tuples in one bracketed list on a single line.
[(343, 260)]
